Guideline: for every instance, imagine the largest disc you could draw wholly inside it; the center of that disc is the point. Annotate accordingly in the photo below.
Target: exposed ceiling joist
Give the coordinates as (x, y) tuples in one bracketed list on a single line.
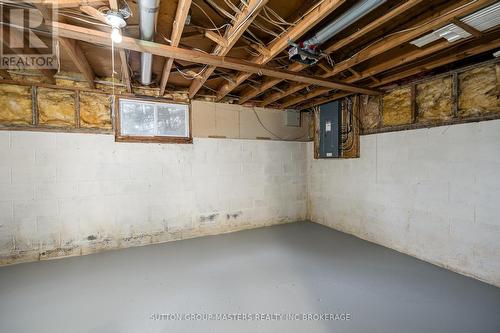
[(280, 44), (178, 26), (468, 52), (231, 36), (102, 38), (439, 19), (375, 24), (78, 57)]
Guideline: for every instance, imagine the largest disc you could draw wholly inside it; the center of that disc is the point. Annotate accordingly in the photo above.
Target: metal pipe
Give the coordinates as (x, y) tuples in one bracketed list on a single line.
[(353, 14), (148, 12)]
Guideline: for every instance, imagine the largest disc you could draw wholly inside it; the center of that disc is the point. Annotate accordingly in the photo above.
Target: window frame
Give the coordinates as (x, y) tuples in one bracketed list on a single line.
[(119, 137)]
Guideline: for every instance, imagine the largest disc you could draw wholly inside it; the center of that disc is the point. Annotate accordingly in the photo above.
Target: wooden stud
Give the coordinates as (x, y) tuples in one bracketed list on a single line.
[(454, 96)]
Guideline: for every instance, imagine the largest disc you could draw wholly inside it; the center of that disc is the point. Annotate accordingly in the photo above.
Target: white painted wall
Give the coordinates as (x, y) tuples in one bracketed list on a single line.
[(60, 191), (431, 193)]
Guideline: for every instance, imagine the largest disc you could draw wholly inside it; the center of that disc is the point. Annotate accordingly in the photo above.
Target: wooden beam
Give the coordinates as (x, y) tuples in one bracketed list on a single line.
[(231, 36), (66, 3), (375, 24), (279, 44), (78, 57), (473, 31), (71, 47), (437, 20), (454, 56), (216, 38), (386, 65), (178, 26), (102, 38)]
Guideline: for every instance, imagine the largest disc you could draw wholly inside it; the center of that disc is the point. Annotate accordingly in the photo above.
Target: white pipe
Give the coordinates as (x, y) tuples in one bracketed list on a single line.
[(148, 12), (353, 14)]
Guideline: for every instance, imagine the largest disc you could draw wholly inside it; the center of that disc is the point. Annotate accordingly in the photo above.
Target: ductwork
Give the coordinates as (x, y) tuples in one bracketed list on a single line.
[(148, 12), (306, 51)]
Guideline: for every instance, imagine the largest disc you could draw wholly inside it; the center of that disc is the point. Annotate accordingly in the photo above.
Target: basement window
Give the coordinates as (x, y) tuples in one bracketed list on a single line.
[(148, 121)]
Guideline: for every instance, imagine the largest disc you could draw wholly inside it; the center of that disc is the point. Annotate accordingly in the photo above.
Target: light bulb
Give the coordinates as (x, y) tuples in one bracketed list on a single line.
[(116, 35)]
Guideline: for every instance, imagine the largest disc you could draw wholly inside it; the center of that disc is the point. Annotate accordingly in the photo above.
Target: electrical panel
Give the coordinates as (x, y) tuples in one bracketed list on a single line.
[(329, 130), (292, 118)]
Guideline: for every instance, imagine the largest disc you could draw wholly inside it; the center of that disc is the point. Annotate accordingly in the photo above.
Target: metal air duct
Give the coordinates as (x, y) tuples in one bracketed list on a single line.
[(148, 12), (307, 51)]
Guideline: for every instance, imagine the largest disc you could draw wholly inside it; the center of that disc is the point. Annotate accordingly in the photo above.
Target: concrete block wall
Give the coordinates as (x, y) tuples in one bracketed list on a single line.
[(65, 194), (431, 193)]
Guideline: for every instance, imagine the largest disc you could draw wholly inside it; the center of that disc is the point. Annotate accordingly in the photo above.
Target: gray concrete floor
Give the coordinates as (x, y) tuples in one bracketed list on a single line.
[(295, 268)]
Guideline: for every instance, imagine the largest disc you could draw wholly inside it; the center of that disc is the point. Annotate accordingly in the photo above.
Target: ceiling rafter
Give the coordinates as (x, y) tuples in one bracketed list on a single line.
[(102, 38), (231, 36), (468, 52), (178, 26), (280, 44), (439, 19), (375, 24)]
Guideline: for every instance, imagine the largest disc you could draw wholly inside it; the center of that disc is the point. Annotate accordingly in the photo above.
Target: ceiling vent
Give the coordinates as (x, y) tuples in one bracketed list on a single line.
[(481, 20)]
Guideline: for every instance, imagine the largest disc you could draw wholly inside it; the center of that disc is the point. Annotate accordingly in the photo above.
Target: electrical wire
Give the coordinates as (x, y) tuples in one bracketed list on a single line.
[(209, 18), (274, 134)]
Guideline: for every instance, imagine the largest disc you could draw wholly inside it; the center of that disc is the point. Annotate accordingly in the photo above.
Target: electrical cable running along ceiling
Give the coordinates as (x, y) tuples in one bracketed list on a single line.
[(481, 20)]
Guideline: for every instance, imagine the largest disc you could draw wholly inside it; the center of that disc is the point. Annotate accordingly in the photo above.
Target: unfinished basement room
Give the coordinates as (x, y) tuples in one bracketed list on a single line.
[(250, 166)]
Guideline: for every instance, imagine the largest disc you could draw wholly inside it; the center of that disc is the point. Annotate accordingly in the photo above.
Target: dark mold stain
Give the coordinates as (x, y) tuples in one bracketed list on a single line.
[(233, 215), (91, 237), (209, 218)]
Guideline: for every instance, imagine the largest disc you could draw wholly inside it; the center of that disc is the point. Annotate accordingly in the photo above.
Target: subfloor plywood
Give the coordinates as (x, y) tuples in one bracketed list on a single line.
[(292, 268)]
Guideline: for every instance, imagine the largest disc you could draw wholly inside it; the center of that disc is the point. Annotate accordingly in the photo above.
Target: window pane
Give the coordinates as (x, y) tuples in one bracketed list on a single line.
[(137, 118), (173, 120)]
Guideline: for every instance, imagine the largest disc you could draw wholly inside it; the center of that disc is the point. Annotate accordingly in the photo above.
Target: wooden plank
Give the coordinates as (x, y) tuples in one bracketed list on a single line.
[(125, 71), (280, 44), (102, 38), (231, 36), (375, 24), (437, 20), (455, 94), (178, 26), (66, 3), (473, 31), (468, 52), (78, 57)]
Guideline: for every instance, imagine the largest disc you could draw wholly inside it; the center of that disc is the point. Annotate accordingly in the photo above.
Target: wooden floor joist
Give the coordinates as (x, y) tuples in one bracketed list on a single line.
[(437, 20), (280, 44), (76, 54), (231, 36), (102, 38), (296, 67), (456, 56), (178, 26)]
